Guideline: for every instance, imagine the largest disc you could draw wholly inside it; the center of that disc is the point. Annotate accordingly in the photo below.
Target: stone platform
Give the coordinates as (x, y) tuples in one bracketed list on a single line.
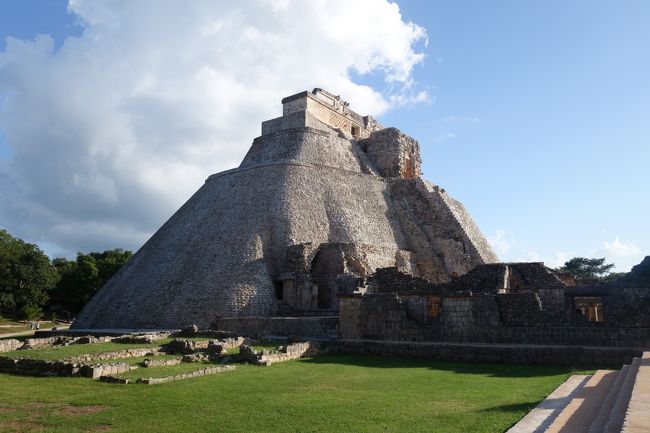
[(605, 402)]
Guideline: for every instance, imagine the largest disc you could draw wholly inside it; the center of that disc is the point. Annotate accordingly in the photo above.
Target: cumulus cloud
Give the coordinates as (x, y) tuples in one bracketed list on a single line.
[(110, 133), (501, 241), (555, 261), (616, 248)]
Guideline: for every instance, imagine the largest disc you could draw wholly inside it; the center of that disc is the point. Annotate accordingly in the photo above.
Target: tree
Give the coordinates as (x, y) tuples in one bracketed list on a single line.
[(82, 278), (26, 275), (583, 268)]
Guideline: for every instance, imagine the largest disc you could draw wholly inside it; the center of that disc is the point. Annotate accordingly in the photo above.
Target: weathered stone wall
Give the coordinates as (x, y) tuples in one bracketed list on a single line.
[(525, 354), (457, 312), (9, 344), (315, 327), (294, 120), (393, 153), (445, 242), (628, 307), (515, 318), (520, 309), (307, 146), (38, 367), (475, 242), (290, 352), (382, 316)]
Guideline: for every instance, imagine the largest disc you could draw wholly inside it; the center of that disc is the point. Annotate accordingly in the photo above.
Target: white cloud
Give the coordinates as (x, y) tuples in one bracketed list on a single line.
[(112, 132), (616, 248), (501, 241), (554, 261)]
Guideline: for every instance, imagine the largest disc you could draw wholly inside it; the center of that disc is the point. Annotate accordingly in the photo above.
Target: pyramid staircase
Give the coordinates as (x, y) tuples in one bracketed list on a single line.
[(605, 402)]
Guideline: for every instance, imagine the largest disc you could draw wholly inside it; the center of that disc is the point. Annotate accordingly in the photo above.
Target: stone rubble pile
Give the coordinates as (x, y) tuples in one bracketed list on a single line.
[(126, 353), (10, 344), (152, 362), (284, 353)]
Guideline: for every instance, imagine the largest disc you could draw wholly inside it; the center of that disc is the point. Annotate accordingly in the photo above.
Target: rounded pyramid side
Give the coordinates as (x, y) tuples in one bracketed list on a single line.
[(218, 254)]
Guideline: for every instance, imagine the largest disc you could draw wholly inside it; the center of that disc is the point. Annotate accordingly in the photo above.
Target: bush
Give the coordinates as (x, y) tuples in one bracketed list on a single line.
[(30, 312)]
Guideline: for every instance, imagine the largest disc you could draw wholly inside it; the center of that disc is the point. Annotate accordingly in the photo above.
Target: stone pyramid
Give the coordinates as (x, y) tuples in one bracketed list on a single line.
[(323, 198)]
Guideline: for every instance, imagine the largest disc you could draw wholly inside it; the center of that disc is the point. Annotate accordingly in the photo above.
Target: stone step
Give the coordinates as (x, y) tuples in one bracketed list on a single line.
[(637, 418), (617, 414), (598, 426), (581, 411), (538, 419)]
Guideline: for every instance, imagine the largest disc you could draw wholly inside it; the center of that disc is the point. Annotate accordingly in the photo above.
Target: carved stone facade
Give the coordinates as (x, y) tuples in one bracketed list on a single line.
[(513, 303)]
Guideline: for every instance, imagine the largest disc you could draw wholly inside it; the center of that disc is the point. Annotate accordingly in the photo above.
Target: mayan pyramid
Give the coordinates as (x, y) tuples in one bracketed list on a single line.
[(323, 198)]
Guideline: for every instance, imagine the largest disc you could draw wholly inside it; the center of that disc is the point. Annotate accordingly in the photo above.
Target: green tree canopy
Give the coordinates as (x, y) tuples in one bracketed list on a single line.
[(583, 268), (26, 275), (83, 277)]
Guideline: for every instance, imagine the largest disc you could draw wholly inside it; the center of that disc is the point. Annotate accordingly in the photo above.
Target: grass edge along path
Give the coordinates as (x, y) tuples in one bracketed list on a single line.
[(329, 393)]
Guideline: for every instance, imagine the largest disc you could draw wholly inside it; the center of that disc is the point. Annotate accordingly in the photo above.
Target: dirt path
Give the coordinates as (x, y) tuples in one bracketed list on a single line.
[(27, 333)]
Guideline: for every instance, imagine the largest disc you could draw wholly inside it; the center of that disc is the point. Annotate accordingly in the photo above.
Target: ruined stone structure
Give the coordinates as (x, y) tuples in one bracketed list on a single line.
[(322, 199), (506, 303)]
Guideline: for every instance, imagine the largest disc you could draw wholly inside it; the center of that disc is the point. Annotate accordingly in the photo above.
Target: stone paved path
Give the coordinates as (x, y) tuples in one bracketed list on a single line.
[(540, 418)]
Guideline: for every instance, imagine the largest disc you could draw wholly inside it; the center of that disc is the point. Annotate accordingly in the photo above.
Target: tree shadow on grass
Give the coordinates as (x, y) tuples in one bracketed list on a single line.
[(485, 369), (517, 407)]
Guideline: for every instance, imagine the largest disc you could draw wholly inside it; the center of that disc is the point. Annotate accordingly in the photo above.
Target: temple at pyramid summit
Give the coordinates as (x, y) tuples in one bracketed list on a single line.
[(323, 198)]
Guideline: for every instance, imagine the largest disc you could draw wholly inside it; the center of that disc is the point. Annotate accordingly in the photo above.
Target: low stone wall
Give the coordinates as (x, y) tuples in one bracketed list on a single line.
[(190, 374), (115, 379), (58, 340), (149, 362), (39, 367), (184, 346), (308, 327), (91, 339), (292, 351), (99, 370), (10, 344), (510, 354), (220, 346), (35, 343), (142, 339), (284, 353), (126, 353)]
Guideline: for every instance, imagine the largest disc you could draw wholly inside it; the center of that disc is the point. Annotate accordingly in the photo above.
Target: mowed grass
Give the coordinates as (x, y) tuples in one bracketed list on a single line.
[(330, 393)]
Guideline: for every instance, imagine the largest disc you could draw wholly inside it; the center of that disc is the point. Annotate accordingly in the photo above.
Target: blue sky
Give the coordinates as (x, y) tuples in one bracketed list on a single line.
[(541, 120), (537, 120)]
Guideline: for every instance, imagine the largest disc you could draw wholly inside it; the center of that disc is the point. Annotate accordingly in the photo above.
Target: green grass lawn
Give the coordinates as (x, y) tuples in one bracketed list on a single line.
[(330, 393), (168, 370)]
